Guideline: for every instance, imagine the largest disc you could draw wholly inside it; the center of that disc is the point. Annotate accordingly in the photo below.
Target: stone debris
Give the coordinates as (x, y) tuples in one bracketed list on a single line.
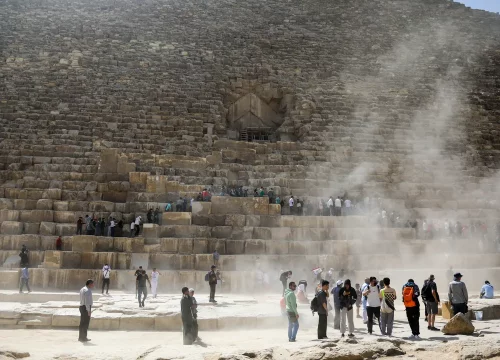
[(458, 325)]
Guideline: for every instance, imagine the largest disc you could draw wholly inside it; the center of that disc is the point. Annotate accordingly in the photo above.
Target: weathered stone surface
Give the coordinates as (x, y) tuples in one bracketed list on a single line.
[(458, 325), (176, 218), (11, 228), (84, 243)]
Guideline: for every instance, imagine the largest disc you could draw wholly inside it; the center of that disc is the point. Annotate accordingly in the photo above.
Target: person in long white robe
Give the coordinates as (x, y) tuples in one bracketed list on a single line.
[(155, 275)]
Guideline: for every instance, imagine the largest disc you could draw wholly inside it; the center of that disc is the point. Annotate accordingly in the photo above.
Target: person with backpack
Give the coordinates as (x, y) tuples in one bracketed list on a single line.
[(431, 296), (458, 296), (320, 305), (284, 278), (336, 304), (411, 292), (387, 297), (363, 303), (424, 300), (291, 310), (211, 277), (372, 302), (347, 298), (106, 271)]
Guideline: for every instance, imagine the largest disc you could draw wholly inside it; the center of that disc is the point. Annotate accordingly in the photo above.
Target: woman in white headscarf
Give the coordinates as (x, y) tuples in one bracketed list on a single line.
[(301, 294)]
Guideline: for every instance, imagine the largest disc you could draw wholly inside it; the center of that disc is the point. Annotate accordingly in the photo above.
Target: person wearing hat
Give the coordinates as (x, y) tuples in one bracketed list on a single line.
[(429, 292), (457, 294), (336, 304), (212, 282), (487, 291)]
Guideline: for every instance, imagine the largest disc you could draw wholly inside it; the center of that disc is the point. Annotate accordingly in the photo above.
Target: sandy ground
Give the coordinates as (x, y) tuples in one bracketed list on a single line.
[(114, 345)]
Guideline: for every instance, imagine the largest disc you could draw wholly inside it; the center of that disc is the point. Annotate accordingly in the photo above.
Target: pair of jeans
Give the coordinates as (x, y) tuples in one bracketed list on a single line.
[(84, 323), (24, 282), (386, 323), (322, 322), (105, 283), (336, 318), (457, 308), (372, 311), (293, 326), (349, 316), (212, 291), (413, 313), (142, 290)]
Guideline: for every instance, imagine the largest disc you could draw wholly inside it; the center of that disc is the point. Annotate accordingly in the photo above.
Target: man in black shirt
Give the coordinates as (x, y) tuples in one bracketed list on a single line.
[(187, 317), (212, 281), (323, 309), (142, 278), (432, 301), (137, 272)]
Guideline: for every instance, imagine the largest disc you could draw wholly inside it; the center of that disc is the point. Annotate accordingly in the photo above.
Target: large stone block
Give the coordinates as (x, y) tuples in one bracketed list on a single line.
[(233, 205), (24, 204), (222, 232), (170, 245), (31, 228), (201, 208), (84, 243), (185, 246), (76, 260), (164, 261), (274, 209), (236, 220), (6, 204), (217, 244), (65, 217), (203, 261), (200, 246), (131, 245), (9, 215), (47, 228), (151, 231), (255, 247), (171, 322), (262, 233), (277, 247), (15, 242), (186, 262), (138, 177), (261, 205), (66, 318), (11, 228), (235, 247), (61, 206), (101, 206), (108, 161), (53, 259), (105, 321), (176, 218), (36, 215)]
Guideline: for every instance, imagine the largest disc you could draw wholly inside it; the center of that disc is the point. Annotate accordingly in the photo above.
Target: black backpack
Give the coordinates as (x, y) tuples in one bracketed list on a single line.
[(427, 292), (207, 276), (315, 304)]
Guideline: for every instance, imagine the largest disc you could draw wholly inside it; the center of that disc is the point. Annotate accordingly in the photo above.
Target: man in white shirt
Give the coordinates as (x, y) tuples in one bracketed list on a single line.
[(155, 275), (329, 204), (86, 302), (106, 271), (338, 206), (132, 230), (291, 202), (112, 225), (347, 204), (372, 302), (138, 225)]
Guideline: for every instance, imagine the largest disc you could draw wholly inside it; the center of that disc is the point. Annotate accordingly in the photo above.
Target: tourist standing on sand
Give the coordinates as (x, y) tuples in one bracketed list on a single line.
[(336, 304), (347, 298), (411, 292), (106, 271), (187, 317), (387, 297), (487, 291), (372, 302), (136, 274), (59, 244), (291, 309), (142, 278), (212, 282), (322, 296), (155, 276), (432, 301), (194, 310), (363, 289), (458, 296), (284, 278), (25, 277), (86, 302)]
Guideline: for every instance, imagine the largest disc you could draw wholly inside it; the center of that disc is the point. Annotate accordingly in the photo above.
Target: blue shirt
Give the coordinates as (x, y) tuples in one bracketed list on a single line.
[(488, 291), (25, 275)]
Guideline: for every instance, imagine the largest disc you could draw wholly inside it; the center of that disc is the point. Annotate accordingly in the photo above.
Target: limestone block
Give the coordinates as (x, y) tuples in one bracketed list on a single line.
[(274, 209), (65, 217), (216, 220), (132, 245), (222, 232), (156, 184), (52, 194), (170, 245), (200, 246), (15, 242), (36, 320), (277, 247), (8, 322), (82, 206), (217, 244), (261, 205), (138, 177), (253, 220), (6, 204), (74, 195), (47, 228), (105, 321), (24, 204), (61, 206), (44, 204), (262, 233), (123, 261), (270, 221), (84, 243), (151, 231), (11, 228), (104, 243), (235, 247), (232, 205), (9, 215), (164, 261), (122, 207), (12, 262), (185, 246), (236, 220), (31, 228), (186, 231), (66, 318), (53, 259), (36, 215), (202, 220), (207, 324), (101, 206), (123, 166), (171, 322), (243, 233), (203, 261), (201, 208), (108, 161), (186, 262), (139, 260), (176, 218), (458, 325), (255, 247)]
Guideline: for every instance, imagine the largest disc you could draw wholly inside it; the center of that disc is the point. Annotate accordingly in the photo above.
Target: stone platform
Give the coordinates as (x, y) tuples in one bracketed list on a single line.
[(120, 311)]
